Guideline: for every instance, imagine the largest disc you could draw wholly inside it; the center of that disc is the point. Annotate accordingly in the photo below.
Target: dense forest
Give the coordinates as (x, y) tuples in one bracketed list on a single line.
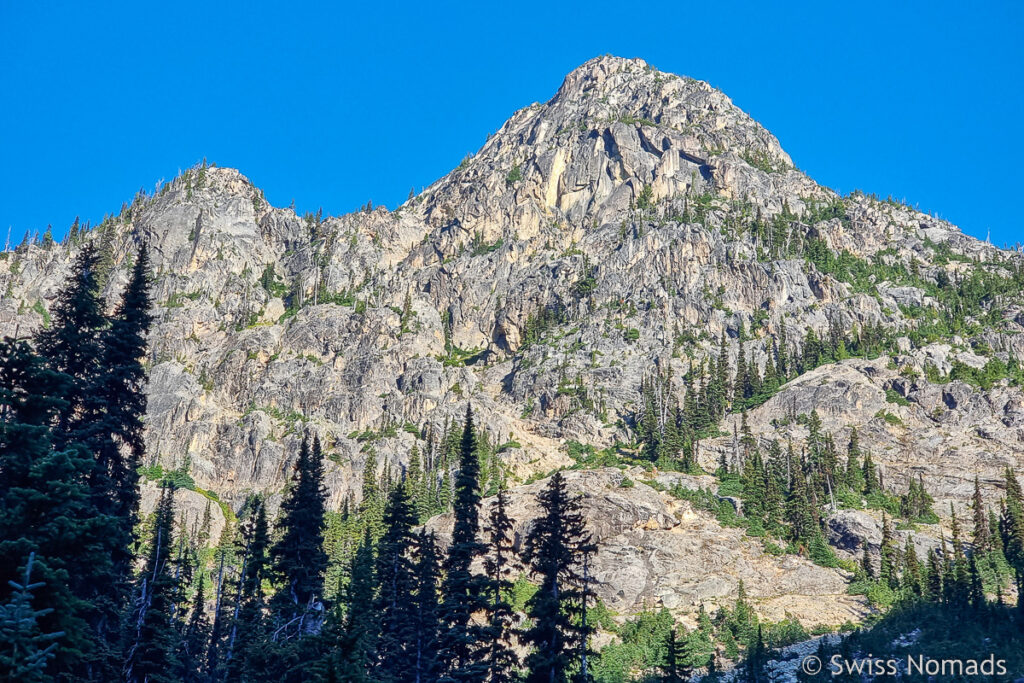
[(98, 592)]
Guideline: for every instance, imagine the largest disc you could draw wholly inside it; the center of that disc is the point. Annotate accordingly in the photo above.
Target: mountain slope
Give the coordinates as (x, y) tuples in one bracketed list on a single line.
[(624, 226)]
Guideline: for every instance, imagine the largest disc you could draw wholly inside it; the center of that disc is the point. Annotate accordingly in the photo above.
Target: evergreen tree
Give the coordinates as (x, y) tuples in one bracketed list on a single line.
[(247, 648), (358, 644), (72, 342), (153, 655), (498, 656), (396, 579), (674, 670), (699, 647), (25, 649), (102, 424), (46, 511), (911, 579), (113, 410), (854, 473), (553, 549), (299, 560), (464, 592), (426, 610), (195, 638), (981, 529)]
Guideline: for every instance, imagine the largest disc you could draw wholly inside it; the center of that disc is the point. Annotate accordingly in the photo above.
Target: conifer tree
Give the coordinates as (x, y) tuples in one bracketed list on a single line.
[(396, 579), (911, 579), (358, 644), (981, 529), (195, 637), (46, 509), (247, 647), (554, 548), (674, 670), (426, 610), (933, 584), (153, 654), (463, 591), (113, 410), (76, 344), (299, 560), (854, 473), (25, 649), (71, 344), (498, 655)]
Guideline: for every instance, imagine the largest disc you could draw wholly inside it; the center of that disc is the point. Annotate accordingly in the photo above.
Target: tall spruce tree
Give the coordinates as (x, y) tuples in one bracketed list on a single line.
[(356, 652), (247, 647), (26, 649), (463, 591), (426, 610), (72, 342), (299, 560), (396, 581), (43, 498), (116, 404), (73, 345), (554, 549), (499, 656), (192, 654), (152, 656)]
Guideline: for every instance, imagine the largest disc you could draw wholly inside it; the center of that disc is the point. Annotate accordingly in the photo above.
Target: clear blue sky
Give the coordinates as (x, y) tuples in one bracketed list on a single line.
[(335, 103)]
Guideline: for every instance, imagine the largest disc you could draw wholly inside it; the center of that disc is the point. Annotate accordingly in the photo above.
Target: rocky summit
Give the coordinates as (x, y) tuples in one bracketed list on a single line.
[(636, 225)]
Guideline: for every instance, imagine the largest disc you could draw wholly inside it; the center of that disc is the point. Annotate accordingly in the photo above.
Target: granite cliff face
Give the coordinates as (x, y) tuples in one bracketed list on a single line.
[(592, 238)]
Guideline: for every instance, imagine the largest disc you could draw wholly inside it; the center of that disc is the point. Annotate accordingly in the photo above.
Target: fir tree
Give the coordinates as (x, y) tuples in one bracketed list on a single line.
[(674, 670), (299, 560), (426, 610), (26, 649), (152, 657), (115, 406), (553, 549), (72, 342), (462, 590), (46, 509), (396, 579), (195, 638), (358, 644), (498, 656), (981, 529), (247, 649)]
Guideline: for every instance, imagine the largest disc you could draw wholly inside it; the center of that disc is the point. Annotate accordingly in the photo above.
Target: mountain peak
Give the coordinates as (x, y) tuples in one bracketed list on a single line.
[(595, 72)]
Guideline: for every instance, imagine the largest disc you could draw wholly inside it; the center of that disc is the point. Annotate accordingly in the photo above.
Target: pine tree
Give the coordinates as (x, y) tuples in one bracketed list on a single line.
[(866, 565), (247, 647), (981, 530), (887, 552), (358, 644), (872, 484), (195, 638), (396, 579), (933, 583), (498, 655), (854, 473), (299, 560), (426, 610), (699, 645), (462, 590), (75, 344), (45, 508), (72, 342), (911, 579), (152, 657), (114, 408), (26, 650), (554, 548)]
